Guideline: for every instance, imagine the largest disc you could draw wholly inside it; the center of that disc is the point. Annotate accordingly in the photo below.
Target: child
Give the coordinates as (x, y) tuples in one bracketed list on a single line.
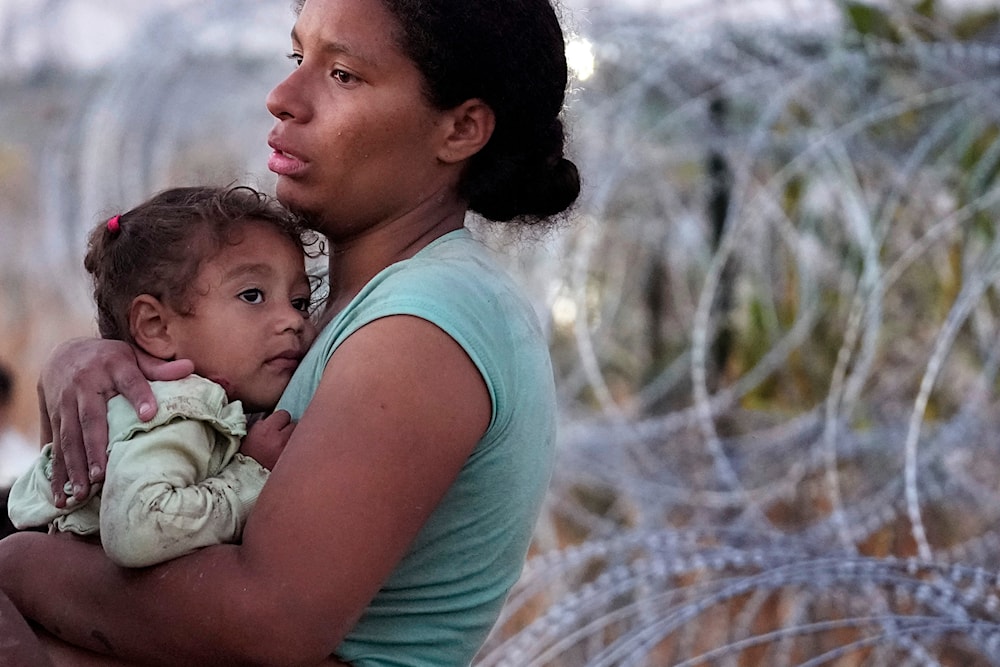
[(216, 276)]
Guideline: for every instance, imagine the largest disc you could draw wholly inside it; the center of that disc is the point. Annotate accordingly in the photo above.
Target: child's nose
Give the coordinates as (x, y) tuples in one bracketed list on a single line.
[(291, 319)]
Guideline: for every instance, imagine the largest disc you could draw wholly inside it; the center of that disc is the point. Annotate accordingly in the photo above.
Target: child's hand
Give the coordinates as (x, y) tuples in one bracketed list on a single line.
[(267, 437)]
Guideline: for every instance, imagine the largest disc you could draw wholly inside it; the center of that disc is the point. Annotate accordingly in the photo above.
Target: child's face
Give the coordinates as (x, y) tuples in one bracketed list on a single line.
[(249, 325)]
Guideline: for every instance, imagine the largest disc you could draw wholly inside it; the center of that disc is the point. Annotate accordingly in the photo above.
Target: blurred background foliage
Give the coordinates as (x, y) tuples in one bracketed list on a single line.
[(774, 315)]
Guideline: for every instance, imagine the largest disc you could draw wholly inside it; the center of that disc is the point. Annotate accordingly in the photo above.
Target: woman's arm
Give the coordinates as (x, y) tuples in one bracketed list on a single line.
[(78, 379), (62, 654), (398, 411), (20, 646)]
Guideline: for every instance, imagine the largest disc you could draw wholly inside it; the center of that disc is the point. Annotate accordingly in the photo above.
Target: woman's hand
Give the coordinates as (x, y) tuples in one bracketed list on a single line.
[(73, 391)]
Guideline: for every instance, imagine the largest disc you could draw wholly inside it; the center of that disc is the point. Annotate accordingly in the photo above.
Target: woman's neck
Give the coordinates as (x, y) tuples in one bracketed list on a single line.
[(355, 261)]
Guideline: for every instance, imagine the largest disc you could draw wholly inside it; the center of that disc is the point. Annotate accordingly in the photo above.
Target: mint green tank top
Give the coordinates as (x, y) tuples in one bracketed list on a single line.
[(439, 604)]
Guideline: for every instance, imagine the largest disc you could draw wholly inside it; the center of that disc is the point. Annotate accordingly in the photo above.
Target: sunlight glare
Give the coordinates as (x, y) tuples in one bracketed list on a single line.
[(580, 57), (564, 312)]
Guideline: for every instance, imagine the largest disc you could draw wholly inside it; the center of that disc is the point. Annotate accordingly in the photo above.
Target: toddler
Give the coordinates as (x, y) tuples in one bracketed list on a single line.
[(216, 276)]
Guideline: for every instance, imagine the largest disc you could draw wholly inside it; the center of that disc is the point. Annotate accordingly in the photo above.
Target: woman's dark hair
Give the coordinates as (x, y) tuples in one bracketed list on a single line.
[(158, 247), (511, 55), (6, 386)]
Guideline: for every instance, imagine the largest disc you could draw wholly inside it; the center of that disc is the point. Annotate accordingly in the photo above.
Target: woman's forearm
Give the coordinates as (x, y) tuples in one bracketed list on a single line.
[(68, 587), (173, 614), (23, 559), (20, 646)]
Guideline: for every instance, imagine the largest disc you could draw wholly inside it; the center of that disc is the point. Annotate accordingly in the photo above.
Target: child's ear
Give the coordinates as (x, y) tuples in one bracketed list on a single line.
[(468, 127), (148, 320)]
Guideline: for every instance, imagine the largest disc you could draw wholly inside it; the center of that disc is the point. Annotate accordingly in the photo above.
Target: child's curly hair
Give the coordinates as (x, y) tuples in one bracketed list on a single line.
[(158, 247)]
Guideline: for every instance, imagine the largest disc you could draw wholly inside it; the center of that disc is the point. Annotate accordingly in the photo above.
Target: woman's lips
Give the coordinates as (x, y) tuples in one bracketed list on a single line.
[(285, 164)]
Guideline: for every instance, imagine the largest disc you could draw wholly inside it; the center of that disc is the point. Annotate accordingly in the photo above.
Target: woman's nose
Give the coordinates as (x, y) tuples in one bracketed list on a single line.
[(285, 101)]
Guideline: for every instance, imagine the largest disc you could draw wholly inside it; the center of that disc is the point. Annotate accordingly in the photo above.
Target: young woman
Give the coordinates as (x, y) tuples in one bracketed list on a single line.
[(400, 511)]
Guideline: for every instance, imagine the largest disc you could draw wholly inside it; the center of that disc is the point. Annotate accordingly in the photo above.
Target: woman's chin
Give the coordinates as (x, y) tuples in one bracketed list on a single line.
[(291, 197)]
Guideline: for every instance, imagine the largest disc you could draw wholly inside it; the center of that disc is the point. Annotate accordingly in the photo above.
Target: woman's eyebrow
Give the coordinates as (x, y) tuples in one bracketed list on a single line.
[(329, 47)]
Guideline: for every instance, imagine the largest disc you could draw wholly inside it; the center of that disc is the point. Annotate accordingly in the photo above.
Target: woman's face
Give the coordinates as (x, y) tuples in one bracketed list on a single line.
[(355, 140)]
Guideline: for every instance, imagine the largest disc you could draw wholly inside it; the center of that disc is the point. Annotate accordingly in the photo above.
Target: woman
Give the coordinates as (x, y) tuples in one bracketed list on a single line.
[(400, 512)]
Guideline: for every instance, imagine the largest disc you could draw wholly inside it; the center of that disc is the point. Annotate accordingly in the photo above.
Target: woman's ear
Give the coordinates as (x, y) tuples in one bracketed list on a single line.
[(148, 320), (469, 126)]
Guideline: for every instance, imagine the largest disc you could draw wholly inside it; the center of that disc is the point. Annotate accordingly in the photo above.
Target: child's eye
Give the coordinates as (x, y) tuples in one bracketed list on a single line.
[(252, 295), (295, 58), (302, 305)]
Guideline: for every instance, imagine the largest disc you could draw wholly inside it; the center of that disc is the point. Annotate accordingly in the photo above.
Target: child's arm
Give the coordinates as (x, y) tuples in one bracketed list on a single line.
[(30, 503), (159, 501)]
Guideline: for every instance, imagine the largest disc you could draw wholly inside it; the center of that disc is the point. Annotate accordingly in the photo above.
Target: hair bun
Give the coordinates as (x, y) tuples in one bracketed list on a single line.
[(530, 193), (555, 190)]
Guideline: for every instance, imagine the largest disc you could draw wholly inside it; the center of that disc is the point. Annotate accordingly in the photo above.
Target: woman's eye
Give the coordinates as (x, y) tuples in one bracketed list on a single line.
[(341, 76), (295, 58), (252, 295)]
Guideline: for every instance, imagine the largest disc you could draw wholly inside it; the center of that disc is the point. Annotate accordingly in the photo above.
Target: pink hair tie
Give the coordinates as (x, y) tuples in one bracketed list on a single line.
[(113, 224)]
